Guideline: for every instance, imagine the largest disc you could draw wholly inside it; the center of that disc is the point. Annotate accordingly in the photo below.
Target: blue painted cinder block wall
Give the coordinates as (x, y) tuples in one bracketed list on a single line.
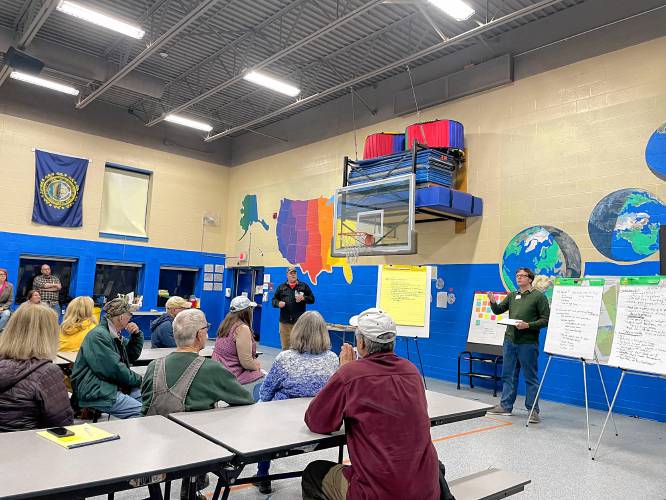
[(87, 253), (338, 301)]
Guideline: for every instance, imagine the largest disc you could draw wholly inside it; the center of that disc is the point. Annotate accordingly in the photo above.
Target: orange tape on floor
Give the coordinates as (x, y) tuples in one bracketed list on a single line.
[(500, 425)]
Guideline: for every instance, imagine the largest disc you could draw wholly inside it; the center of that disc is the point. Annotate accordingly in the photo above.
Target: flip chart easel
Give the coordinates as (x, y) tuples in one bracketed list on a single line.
[(404, 293), (572, 331), (641, 320)]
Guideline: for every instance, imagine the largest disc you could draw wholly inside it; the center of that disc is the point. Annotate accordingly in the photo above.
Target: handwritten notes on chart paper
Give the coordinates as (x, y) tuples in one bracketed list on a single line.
[(404, 293), (574, 319), (640, 329)]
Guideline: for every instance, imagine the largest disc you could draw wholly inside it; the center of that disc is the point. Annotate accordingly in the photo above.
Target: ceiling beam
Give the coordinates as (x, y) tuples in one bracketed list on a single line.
[(29, 32), (181, 25), (287, 50), (402, 62)]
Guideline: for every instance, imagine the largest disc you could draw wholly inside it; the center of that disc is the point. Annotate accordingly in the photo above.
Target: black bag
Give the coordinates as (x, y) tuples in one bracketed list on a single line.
[(444, 491)]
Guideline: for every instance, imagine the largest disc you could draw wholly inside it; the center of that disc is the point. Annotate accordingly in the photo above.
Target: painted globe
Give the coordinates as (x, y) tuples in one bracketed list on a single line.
[(624, 226), (655, 152), (547, 250)]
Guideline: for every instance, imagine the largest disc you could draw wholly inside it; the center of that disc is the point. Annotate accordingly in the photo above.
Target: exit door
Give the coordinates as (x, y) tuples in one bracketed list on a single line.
[(248, 281)]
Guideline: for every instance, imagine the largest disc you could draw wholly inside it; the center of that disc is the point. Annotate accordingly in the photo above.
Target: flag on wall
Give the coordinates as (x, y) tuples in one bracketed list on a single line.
[(59, 182)]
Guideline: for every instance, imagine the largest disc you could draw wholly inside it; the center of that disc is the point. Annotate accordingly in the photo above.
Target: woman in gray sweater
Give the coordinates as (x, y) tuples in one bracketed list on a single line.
[(6, 298)]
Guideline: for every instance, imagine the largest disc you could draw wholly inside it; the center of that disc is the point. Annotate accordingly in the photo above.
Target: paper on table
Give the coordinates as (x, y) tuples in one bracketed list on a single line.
[(508, 321)]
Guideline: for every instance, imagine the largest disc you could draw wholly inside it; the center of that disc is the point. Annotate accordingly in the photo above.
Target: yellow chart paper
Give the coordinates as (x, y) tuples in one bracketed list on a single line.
[(404, 292)]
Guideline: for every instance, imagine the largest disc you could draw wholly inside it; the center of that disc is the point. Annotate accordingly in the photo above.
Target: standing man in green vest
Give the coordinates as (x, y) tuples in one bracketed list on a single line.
[(521, 342)]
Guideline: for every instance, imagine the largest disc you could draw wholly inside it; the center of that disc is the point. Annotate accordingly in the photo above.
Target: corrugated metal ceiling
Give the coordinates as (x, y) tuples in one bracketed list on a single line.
[(380, 36)]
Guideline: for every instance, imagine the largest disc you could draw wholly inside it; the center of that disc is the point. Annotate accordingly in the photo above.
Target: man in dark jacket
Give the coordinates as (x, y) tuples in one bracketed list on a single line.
[(291, 297), (161, 329), (101, 376)]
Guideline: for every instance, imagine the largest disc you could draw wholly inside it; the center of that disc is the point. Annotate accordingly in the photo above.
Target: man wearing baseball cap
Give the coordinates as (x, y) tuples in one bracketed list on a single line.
[(291, 297), (161, 329), (101, 376), (382, 402)]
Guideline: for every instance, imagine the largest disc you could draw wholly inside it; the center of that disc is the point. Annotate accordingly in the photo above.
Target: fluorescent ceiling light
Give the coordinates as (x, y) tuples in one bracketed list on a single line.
[(180, 120), (457, 9), (272, 83), (100, 19), (42, 82)]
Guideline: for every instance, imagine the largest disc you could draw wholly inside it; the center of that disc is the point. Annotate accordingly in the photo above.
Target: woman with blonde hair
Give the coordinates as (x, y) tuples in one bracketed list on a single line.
[(79, 320), (32, 387), (299, 372)]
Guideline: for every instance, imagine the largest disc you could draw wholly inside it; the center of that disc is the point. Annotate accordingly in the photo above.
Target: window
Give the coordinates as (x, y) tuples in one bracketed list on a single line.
[(112, 278), (176, 281), (31, 267), (125, 202)]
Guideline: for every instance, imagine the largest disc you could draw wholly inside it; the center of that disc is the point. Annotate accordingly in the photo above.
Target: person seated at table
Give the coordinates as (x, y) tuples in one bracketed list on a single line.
[(382, 402), (79, 321), (161, 329), (101, 376), (33, 297), (185, 381), (235, 346), (6, 298), (299, 372), (32, 387)]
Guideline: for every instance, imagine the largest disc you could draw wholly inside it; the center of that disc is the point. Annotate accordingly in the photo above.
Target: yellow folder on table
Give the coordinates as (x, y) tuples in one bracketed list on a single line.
[(84, 435)]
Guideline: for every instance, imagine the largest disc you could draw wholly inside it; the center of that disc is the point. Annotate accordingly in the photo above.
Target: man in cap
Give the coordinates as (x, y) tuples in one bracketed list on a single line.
[(382, 401), (161, 329), (291, 297), (101, 376)]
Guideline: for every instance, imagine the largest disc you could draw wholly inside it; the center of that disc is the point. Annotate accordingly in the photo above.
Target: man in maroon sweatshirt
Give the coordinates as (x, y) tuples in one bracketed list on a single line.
[(381, 400)]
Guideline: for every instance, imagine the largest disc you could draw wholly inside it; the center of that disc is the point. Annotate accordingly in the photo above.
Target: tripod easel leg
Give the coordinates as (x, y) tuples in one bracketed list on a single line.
[(603, 385), (536, 398), (587, 409), (610, 412), (418, 353)]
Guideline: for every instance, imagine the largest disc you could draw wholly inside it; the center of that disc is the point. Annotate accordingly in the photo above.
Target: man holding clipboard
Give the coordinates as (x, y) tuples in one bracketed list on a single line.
[(528, 313)]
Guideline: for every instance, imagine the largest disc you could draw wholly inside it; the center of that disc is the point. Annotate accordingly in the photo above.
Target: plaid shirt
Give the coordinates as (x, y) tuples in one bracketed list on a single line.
[(48, 296)]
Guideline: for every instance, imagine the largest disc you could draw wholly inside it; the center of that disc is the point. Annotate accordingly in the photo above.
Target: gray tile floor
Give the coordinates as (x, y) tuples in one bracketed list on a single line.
[(552, 454)]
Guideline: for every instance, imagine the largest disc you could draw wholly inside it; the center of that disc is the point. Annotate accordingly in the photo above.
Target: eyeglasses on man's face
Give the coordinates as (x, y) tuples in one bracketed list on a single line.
[(522, 276)]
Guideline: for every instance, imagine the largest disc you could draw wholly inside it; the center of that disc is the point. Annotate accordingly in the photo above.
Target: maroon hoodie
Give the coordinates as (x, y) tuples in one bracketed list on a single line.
[(32, 395)]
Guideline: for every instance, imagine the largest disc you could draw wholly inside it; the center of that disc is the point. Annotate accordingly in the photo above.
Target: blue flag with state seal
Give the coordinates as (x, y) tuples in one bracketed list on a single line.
[(59, 182)]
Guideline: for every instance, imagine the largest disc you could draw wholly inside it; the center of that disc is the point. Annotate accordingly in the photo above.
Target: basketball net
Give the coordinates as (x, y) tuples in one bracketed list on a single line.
[(353, 242)]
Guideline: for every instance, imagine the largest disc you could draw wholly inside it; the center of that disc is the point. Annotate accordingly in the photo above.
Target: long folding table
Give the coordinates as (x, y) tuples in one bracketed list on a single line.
[(150, 450), (243, 431)]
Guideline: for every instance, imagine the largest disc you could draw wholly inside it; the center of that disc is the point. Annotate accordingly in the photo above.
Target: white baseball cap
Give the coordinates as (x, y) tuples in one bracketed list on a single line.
[(241, 302), (373, 323)]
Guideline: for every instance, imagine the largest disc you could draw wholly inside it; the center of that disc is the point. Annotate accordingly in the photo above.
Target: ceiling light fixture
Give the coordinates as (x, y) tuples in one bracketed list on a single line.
[(272, 83), (457, 9), (100, 19), (42, 82), (181, 120)]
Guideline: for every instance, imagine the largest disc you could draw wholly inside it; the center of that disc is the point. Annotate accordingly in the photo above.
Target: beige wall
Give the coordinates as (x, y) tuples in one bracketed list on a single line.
[(543, 150), (182, 189)]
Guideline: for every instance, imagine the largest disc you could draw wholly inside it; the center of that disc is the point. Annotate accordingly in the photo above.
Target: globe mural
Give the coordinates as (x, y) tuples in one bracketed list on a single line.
[(547, 250), (624, 225), (655, 152)]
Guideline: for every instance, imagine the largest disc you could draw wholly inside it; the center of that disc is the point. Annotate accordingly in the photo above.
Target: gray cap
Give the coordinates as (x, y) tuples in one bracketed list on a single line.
[(373, 323)]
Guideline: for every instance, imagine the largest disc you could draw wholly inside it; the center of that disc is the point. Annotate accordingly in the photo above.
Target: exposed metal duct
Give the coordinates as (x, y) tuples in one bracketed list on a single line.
[(149, 51), (402, 62), (287, 50)]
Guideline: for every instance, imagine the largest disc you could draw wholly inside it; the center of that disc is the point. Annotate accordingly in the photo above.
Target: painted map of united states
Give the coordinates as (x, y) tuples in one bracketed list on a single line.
[(304, 232)]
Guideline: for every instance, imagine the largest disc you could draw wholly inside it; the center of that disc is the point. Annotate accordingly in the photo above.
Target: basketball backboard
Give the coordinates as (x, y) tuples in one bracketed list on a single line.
[(375, 218)]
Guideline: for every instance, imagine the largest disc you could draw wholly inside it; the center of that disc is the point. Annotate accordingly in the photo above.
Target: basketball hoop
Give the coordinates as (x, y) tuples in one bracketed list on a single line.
[(353, 242)]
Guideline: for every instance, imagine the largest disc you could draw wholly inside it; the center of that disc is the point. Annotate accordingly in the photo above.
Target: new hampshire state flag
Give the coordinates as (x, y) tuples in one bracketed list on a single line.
[(59, 182)]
